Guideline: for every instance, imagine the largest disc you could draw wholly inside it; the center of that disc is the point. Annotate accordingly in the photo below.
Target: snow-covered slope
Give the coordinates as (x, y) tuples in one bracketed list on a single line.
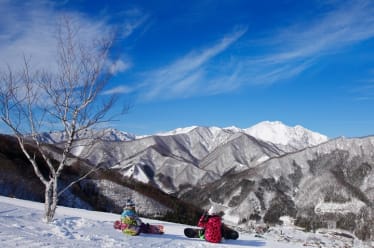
[(21, 226), (239, 153)]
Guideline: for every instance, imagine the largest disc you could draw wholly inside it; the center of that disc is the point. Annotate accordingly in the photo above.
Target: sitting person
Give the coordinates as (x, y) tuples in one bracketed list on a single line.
[(212, 226), (130, 222)]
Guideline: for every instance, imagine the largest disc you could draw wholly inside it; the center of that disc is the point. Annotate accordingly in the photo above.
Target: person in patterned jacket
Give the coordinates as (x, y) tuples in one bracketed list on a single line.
[(212, 226), (131, 224)]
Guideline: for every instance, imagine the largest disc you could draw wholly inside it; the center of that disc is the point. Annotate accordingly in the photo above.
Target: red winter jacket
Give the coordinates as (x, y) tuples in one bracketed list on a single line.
[(212, 225)]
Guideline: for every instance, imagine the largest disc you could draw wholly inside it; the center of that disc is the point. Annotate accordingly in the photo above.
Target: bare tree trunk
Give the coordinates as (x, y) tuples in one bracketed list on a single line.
[(51, 200)]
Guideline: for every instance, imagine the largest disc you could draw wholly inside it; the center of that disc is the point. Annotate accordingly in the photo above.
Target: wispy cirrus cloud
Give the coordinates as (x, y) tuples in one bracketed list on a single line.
[(122, 89), (283, 53), (28, 28), (135, 18), (187, 76), (363, 90), (293, 49)]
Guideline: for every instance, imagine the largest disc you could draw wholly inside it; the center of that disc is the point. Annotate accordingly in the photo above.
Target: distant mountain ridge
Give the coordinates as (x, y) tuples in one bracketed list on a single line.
[(270, 131), (195, 155), (108, 134)]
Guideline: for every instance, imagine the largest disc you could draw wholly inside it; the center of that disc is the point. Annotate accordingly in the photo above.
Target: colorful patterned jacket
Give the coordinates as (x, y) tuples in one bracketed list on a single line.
[(212, 225), (131, 223)]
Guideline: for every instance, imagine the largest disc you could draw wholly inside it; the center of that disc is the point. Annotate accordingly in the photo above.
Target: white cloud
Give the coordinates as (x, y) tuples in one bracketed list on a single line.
[(286, 53), (31, 31), (118, 90), (28, 28), (363, 90), (296, 48), (119, 66), (186, 76), (346, 25), (134, 19), (27, 33)]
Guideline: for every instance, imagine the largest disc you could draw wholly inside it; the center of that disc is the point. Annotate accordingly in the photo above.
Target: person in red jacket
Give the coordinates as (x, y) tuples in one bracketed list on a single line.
[(212, 225)]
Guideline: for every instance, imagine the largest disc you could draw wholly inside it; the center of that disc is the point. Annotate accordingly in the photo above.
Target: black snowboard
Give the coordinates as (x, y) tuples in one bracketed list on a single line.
[(192, 232), (227, 233)]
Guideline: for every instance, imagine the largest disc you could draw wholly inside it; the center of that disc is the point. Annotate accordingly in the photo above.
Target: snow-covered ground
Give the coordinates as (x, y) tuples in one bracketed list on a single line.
[(21, 226)]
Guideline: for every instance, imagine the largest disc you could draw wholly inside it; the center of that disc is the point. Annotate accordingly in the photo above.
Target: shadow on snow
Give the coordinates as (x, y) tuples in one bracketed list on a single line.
[(238, 242)]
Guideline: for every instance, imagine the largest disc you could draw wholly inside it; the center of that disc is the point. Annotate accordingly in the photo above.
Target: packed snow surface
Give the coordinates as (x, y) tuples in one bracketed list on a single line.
[(21, 226)]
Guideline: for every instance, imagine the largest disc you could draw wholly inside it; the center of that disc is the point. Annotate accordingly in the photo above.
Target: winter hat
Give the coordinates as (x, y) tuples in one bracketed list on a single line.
[(129, 203), (212, 210)]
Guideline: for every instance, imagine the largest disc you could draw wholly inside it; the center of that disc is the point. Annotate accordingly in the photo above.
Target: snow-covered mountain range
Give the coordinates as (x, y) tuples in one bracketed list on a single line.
[(271, 131), (255, 174), (196, 155)]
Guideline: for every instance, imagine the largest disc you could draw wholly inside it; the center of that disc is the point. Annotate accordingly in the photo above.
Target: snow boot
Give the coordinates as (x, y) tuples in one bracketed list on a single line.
[(228, 233)]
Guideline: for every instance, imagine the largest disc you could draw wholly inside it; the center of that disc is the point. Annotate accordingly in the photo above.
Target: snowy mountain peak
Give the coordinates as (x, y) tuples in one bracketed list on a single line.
[(278, 133), (213, 130), (116, 135), (177, 131), (233, 129)]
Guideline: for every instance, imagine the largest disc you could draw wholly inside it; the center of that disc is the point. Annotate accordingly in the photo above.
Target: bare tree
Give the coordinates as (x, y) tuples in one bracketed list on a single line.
[(67, 96)]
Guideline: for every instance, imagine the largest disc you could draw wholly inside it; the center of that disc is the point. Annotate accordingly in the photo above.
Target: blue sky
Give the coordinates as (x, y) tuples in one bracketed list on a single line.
[(221, 63)]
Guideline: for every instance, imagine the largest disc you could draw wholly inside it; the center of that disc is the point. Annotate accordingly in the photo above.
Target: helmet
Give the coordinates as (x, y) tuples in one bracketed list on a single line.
[(129, 203), (212, 210)]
